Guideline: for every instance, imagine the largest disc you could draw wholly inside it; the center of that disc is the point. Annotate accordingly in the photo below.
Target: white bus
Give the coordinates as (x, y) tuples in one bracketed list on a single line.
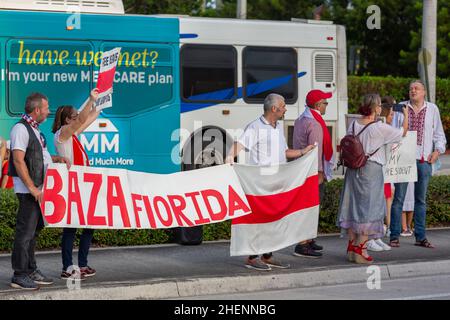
[(228, 66), (219, 77)]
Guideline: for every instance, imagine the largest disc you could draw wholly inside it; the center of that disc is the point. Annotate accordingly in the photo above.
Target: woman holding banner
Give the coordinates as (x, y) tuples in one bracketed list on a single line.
[(67, 125), (362, 205)]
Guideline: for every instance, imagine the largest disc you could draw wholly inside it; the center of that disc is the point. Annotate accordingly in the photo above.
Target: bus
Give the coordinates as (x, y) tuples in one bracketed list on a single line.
[(184, 87)]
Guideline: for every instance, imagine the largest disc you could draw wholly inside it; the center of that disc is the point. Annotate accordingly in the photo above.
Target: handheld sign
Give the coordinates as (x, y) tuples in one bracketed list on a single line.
[(401, 160), (106, 78)]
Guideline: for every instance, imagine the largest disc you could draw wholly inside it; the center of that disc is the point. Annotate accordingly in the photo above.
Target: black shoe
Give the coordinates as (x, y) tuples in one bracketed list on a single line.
[(38, 277), (306, 251), (313, 245), (24, 282)]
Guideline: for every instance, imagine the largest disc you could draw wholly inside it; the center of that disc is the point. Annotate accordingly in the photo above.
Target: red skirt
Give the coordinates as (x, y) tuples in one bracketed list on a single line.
[(387, 190)]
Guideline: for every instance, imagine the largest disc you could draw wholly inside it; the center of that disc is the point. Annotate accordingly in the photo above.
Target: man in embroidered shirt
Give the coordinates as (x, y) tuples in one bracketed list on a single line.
[(310, 128), (424, 118), (29, 158)]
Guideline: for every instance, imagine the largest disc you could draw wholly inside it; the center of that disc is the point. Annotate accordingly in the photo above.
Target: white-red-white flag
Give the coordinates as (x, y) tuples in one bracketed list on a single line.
[(284, 200)]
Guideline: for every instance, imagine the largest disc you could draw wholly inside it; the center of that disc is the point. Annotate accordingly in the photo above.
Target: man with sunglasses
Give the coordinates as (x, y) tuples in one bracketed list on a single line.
[(310, 128)]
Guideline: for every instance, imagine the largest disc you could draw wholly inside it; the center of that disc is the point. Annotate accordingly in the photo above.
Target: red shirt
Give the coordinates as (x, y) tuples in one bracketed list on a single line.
[(9, 183)]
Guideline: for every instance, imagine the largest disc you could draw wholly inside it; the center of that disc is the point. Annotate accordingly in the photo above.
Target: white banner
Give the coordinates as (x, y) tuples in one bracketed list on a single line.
[(100, 198), (401, 160)]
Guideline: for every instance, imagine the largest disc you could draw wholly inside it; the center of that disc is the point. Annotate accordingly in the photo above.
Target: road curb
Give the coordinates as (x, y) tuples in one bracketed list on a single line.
[(184, 288)]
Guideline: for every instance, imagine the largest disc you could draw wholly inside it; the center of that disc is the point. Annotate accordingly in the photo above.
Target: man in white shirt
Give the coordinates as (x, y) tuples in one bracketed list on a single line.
[(266, 145), (424, 118), (29, 158)]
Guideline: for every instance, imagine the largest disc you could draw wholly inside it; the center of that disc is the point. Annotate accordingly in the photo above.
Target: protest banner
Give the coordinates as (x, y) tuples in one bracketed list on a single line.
[(401, 160), (100, 198), (285, 206), (106, 78)]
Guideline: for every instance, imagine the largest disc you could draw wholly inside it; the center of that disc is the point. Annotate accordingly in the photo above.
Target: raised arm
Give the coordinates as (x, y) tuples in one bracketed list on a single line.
[(405, 121), (93, 114), (74, 127)]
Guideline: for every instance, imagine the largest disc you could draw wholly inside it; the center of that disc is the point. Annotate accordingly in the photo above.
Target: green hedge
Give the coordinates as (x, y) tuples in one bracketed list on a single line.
[(438, 215), (398, 88), (438, 204)]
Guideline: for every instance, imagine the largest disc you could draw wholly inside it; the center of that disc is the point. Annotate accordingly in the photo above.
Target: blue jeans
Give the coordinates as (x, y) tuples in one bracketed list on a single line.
[(67, 246), (420, 207)]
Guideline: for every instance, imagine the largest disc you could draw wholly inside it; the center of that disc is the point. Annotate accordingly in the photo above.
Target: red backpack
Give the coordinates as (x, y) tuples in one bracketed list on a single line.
[(352, 152)]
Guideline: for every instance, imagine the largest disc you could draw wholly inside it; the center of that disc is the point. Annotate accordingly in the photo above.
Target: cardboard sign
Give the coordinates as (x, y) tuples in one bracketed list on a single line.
[(401, 160)]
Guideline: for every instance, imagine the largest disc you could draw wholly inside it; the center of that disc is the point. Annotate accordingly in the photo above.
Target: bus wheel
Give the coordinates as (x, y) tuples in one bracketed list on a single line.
[(210, 151), (208, 157)]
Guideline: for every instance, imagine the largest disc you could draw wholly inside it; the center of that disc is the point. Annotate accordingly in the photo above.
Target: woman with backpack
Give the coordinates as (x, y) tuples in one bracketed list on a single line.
[(362, 205)]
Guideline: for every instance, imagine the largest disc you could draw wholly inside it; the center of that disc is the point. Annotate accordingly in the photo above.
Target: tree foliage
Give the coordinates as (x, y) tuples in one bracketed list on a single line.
[(391, 50), (408, 56)]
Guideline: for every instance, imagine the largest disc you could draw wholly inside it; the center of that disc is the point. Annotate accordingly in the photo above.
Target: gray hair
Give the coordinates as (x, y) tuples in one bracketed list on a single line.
[(271, 100), (34, 101), (419, 82), (369, 104)]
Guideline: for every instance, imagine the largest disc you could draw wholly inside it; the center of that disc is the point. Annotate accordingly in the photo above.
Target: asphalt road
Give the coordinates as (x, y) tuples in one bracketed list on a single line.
[(420, 288)]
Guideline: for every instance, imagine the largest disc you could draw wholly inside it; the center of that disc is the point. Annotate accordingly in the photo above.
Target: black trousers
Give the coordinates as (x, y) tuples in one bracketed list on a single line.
[(29, 223), (321, 191)]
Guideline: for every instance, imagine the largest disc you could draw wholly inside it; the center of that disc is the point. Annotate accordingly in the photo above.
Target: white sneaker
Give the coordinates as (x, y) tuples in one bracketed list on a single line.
[(383, 245), (373, 246)]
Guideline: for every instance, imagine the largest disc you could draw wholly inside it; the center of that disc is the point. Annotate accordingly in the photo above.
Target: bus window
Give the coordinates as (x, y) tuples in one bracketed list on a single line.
[(269, 70), (208, 73), (58, 69), (144, 77)]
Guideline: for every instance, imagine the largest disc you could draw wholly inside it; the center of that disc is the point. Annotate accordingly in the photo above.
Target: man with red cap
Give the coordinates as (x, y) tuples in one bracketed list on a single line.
[(310, 128)]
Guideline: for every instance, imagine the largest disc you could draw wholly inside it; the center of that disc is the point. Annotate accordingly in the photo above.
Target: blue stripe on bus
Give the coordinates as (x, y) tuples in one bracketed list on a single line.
[(226, 94), (188, 35)]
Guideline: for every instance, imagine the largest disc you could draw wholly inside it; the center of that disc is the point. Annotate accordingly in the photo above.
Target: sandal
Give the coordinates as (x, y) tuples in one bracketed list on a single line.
[(424, 243), (394, 243), (358, 254)]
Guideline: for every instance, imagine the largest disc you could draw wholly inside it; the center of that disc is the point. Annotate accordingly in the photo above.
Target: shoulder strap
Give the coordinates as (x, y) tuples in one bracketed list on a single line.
[(365, 127)]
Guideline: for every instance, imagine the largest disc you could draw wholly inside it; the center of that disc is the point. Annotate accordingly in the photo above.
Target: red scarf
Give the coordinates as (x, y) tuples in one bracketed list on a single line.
[(327, 145), (35, 125), (30, 121), (79, 154)]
